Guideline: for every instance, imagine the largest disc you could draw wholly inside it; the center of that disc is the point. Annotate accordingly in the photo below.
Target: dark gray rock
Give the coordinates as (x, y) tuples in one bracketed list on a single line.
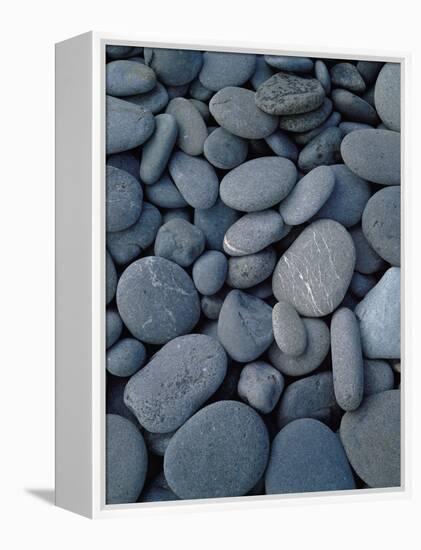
[(182, 213), (179, 241), (235, 110), (111, 278), (262, 72), (198, 91), (177, 91), (322, 74), (367, 260), (165, 194), (240, 189), (154, 101), (387, 96), (210, 271), (125, 78), (378, 376), (214, 222), (115, 398), (324, 149), (157, 150), (222, 451), (361, 284), (211, 307), (158, 491), (245, 326), (369, 70), (260, 386), (192, 130), (346, 75), (332, 122), (305, 122), (157, 443), (157, 300), (119, 52), (225, 150), (282, 145), (113, 327), (290, 63), (126, 357), (126, 460), (306, 456), (371, 437), (221, 69), (248, 271), (289, 330), (124, 198), (174, 67), (353, 107), (314, 273), (125, 161)]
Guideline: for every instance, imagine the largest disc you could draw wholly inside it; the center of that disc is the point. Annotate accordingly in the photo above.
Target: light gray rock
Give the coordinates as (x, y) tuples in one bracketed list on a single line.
[(289, 330), (126, 357), (322, 74), (260, 386), (387, 96)]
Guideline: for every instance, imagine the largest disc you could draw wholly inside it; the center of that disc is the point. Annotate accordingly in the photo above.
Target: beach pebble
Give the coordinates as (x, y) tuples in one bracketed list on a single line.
[(282, 145), (111, 278), (126, 161), (154, 101), (210, 271), (165, 194), (245, 326), (290, 63), (322, 74), (305, 137), (324, 149), (289, 330), (305, 122), (192, 130), (125, 78), (126, 357), (113, 327), (378, 376), (353, 107), (158, 148), (260, 386), (225, 150), (179, 241), (174, 67), (211, 306), (222, 451), (387, 96), (248, 271), (214, 222), (157, 300), (199, 92), (124, 198), (222, 69), (346, 75), (367, 260), (361, 284), (262, 72)]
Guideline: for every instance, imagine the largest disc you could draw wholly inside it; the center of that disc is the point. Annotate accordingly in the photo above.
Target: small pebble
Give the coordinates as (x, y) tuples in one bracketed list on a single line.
[(222, 69), (282, 145), (367, 260), (262, 73), (124, 199), (322, 74), (332, 122), (260, 386), (361, 284), (157, 443), (387, 96), (306, 122), (324, 149), (114, 327), (346, 75), (154, 101), (289, 330), (211, 306), (174, 67), (125, 78), (378, 376), (248, 271), (290, 63), (225, 150), (214, 222), (157, 150), (165, 194), (179, 241), (198, 91), (353, 107), (126, 357), (192, 130), (210, 271), (125, 161)]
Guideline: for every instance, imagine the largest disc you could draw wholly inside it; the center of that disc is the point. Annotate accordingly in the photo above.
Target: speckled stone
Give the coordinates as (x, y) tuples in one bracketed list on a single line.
[(209, 272), (113, 327), (157, 300), (353, 107), (378, 376), (305, 122), (282, 145), (192, 130), (125, 78), (367, 260), (174, 67), (290, 63), (324, 149), (289, 330), (154, 101), (124, 199), (126, 357), (332, 122), (221, 451), (322, 74), (157, 150), (260, 386), (179, 241), (387, 96), (346, 75), (224, 150), (221, 69), (248, 271), (165, 194), (111, 278)]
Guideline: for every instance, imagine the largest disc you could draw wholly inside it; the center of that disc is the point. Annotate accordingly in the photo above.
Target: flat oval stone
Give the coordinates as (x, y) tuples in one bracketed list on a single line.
[(305, 122), (289, 330), (305, 137), (157, 300), (260, 386), (290, 63), (195, 178), (324, 149), (387, 96), (176, 382), (307, 456), (346, 75), (367, 260), (222, 451), (154, 101), (221, 69), (179, 241), (127, 245), (114, 327), (157, 150), (209, 272), (381, 222), (125, 77), (316, 350), (192, 131), (165, 194), (128, 125), (126, 460), (225, 150), (308, 196), (214, 222), (354, 107), (371, 438), (347, 359), (174, 67), (282, 145), (315, 272), (248, 271), (111, 276), (242, 189), (124, 199), (126, 357), (379, 316), (125, 161), (288, 94), (374, 155), (245, 326), (253, 232), (378, 376), (322, 74), (235, 109)]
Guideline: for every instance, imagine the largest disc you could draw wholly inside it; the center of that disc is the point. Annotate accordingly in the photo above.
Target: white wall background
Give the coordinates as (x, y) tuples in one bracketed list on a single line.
[(28, 32)]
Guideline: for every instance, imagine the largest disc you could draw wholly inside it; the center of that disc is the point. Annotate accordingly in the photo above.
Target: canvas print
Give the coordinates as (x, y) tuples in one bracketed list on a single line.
[(252, 274)]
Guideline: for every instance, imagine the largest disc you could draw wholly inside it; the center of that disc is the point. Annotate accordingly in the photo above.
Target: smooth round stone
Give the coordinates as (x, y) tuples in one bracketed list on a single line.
[(235, 110), (346, 75), (225, 150), (174, 67), (379, 316), (192, 130), (309, 397), (222, 69), (381, 222), (155, 101), (314, 273), (289, 331), (126, 357), (361, 284), (222, 451), (124, 199), (248, 271), (307, 456), (180, 377), (262, 72), (348, 127), (209, 272), (198, 91), (125, 78), (387, 96), (308, 196), (260, 386), (157, 300), (369, 70), (214, 222), (179, 241), (378, 376), (290, 63), (288, 94), (316, 350), (128, 125), (367, 260), (126, 460), (371, 438), (111, 278), (282, 145), (306, 121), (324, 149), (165, 194), (374, 155), (253, 232), (347, 201), (157, 443), (305, 137), (211, 307), (157, 150), (322, 74), (242, 190), (125, 246), (347, 359), (353, 107), (195, 178), (158, 491), (125, 161), (113, 327), (245, 326)]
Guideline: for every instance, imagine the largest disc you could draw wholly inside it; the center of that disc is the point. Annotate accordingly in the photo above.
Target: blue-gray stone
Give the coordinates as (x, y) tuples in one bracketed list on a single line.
[(221, 69), (282, 145), (177, 91), (173, 213), (225, 150), (202, 107), (192, 130), (111, 278), (353, 107), (157, 150), (248, 271), (378, 376), (126, 357), (125, 161), (174, 67), (361, 284), (289, 330), (305, 122), (210, 271), (222, 451), (305, 137), (260, 386), (348, 127), (387, 96), (346, 75), (125, 78), (367, 260), (115, 398), (157, 443), (261, 73), (154, 101), (290, 63), (322, 74), (179, 241), (119, 52), (124, 199), (113, 327), (165, 194), (369, 70), (198, 91), (324, 149), (214, 222), (158, 491), (211, 307)]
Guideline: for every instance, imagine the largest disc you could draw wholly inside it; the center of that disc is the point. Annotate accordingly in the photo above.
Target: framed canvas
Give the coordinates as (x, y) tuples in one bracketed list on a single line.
[(229, 309)]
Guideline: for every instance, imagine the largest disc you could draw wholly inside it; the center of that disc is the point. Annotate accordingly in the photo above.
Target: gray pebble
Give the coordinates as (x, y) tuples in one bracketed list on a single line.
[(214, 222), (225, 150), (179, 241), (248, 271), (262, 290), (124, 199), (369, 70), (125, 78), (221, 69), (115, 398), (282, 145), (111, 278), (157, 443), (182, 213), (306, 122), (324, 149), (387, 96), (322, 74), (165, 194), (346, 75), (367, 260), (126, 357), (353, 107), (262, 73), (198, 91), (174, 67), (378, 376), (209, 272), (119, 52), (348, 127), (158, 491), (177, 91), (202, 107), (211, 306), (290, 63), (260, 386), (192, 130), (157, 150), (332, 122), (289, 330), (154, 101), (125, 161), (114, 327), (361, 284)]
